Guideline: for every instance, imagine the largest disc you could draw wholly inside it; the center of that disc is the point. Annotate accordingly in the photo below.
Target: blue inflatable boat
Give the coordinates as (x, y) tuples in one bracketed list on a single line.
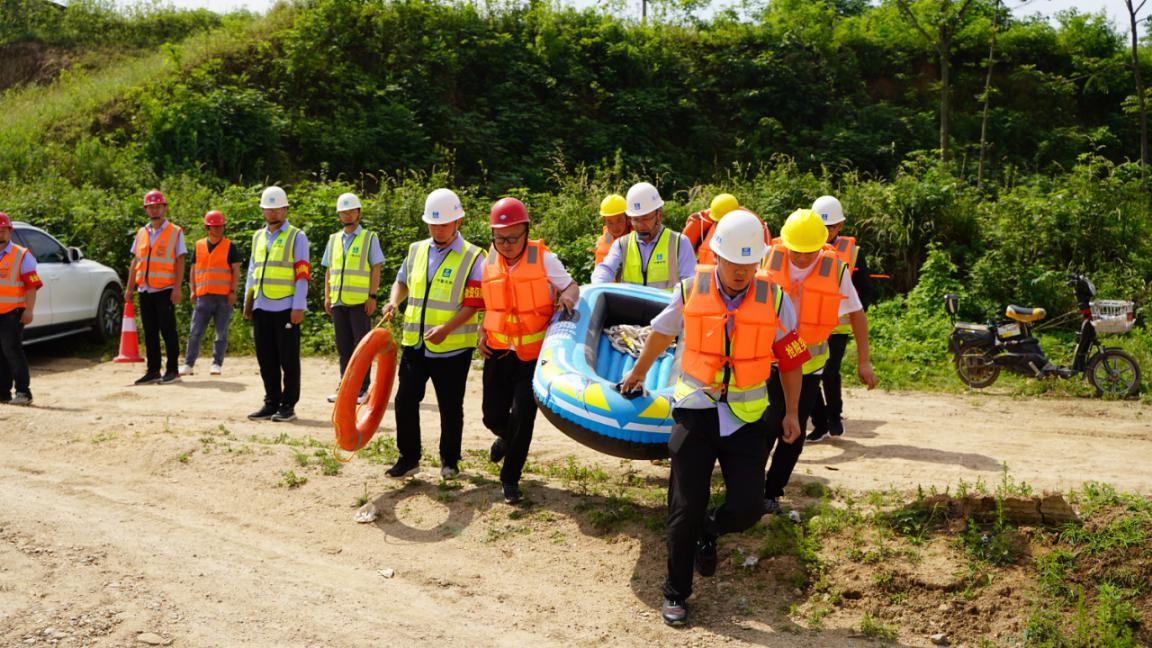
[(576, 376)]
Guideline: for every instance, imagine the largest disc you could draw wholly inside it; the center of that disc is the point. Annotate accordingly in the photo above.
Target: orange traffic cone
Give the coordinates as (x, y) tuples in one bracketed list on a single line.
[(129, 342)]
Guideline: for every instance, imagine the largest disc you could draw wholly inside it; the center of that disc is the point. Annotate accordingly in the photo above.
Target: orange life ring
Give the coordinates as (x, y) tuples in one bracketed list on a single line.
[(355, 425)]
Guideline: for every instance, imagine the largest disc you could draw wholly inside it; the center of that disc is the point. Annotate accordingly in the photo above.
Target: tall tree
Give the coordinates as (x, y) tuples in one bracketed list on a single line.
[(987, 94), (1141, 100), (938, 21)]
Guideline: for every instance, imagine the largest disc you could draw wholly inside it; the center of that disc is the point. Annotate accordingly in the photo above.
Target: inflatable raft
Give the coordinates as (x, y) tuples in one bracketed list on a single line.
[(576, 376)]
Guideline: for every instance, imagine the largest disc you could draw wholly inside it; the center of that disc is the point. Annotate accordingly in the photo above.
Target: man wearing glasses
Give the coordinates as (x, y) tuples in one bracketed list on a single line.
[(652, 255), (521, 282)]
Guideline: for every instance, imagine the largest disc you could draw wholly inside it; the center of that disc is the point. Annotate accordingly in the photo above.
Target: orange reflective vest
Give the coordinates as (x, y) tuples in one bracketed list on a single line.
[(817, 298), (697, 227), (518, 301), (211, 272), (156, 263), (603, 246), (716, 358), (846, 250), (12, 290)]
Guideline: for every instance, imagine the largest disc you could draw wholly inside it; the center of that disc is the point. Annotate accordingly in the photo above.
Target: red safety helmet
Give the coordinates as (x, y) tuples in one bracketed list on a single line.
[(507, 212), (213, 219), (5, 221), (154, 198)]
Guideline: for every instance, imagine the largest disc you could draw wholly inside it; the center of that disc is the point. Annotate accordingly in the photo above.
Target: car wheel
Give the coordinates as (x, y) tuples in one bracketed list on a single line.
[(109, 315)]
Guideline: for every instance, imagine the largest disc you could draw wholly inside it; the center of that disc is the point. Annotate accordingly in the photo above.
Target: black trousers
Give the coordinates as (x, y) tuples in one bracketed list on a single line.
[(351, 324), (829, 406), (13, 362), (510, 408), (158, 316), (696, 446), (278, 353), (449, 377), (786, 454)]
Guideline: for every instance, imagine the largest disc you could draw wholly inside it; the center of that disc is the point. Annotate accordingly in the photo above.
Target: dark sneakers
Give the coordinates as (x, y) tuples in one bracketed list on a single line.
[(512, 494), (836, 428), (706, 556), (264, 413), (148, 378), (498, 450), (284, 414), (818, 434), (403, 468), (674, 612), (772, 506), (170, 377)]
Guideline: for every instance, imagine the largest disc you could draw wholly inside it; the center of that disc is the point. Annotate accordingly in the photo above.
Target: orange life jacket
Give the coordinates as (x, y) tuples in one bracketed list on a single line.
[(603, 246), (846, 250), (12, 291), (211, 272), (709, 349), (518, 301), (156, 263), (817, 298), (697, 227)]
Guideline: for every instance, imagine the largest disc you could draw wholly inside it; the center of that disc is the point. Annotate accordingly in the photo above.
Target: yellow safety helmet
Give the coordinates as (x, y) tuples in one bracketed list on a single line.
[(722, 204), (613, 205), (804, 231)]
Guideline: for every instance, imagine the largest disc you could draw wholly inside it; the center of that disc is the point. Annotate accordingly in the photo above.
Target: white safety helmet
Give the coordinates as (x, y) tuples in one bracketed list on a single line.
[(442, 206), (272, 198), (347, 201), (739, 238), (830, 210), (642, 199)]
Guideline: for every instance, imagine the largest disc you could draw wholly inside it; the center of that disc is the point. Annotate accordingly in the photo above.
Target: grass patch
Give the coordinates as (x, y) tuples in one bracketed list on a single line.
[(874, 629), (289, 479)]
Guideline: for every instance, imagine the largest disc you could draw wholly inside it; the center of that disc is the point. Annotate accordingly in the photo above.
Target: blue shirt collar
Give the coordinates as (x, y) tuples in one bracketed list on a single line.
[(730, 302), (159, 229), (6, 249), (355, 232), (457, 245)]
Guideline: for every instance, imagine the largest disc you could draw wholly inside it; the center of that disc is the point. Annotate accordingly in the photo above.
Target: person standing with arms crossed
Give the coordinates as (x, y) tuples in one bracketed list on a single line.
[(352, 262), (275, 299), (212, 285), (157, 275), (441, 281), (19, 283)]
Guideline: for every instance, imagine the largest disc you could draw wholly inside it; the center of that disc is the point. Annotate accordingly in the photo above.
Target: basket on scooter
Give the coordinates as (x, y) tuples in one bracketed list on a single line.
[(1113, 316)]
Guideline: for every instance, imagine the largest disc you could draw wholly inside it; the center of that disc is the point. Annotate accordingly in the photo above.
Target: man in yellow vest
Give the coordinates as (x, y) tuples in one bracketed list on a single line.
[(18, 285), (722, 316), (829, 406), (652, 255), (351, 280), (441, 281), (615, 225), (275, 298), (212, 285), (522, 281), (157, 275), (821, 288)]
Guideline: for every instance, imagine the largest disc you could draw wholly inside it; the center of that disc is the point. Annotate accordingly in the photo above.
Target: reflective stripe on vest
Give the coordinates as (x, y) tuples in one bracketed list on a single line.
[(211, 272), (12, 291), (718, 366), (847, 251), (603, 246), (350, 277), (817, 298), (663, 267), (274, 270), (156, 261), (432, 303), (518, 302)]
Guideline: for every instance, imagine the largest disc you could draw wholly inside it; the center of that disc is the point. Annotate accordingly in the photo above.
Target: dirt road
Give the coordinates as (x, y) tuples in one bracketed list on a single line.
[(160, 514)]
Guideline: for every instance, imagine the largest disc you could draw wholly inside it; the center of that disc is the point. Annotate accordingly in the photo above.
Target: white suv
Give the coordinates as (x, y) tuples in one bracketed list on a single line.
[(78, 295)]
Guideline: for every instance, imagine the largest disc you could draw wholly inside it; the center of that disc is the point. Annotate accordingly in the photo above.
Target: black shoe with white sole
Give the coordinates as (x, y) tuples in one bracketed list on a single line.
[(284, 414), (402, 468), (264, 413), (674, 612)]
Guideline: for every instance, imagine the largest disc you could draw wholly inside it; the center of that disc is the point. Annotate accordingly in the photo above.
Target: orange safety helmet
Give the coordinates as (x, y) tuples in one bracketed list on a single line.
[(506, 213), (213, 219), (154, 197)]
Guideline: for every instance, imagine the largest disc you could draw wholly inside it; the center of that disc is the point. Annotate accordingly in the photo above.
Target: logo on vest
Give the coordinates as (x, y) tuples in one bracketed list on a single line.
[(659, 256), (447, 272)]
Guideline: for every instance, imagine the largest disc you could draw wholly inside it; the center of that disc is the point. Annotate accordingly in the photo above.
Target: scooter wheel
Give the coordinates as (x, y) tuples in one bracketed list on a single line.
[(976, 369), (1114, 374)]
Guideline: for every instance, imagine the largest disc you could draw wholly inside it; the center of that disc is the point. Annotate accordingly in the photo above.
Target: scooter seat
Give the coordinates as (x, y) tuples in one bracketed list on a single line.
[(1025, 313)]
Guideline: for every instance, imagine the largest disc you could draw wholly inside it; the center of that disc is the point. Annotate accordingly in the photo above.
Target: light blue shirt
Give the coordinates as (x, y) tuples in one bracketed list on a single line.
[(375, 254), (27, 264), (181, 250), (299, 299), (607, 270)]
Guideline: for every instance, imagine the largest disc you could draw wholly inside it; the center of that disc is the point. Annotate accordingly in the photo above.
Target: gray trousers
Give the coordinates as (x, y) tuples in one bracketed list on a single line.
[(209, 307)]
